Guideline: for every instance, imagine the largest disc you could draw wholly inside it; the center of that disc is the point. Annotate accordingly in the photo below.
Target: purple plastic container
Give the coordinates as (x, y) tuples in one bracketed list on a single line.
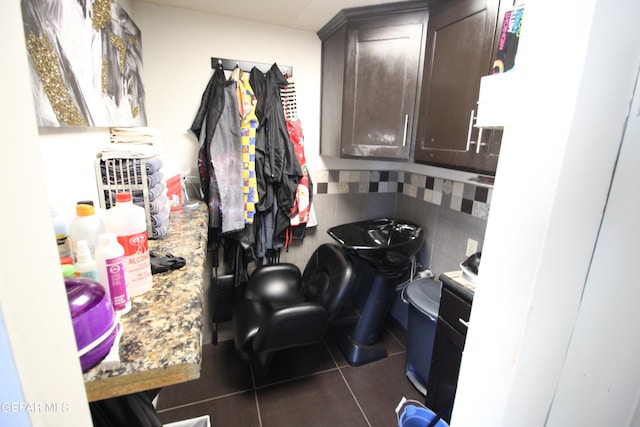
[(93, 318)]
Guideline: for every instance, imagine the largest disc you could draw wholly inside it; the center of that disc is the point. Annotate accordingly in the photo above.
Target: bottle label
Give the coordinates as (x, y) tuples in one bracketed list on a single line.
[(138, 263), (92, 274), (117, 282)]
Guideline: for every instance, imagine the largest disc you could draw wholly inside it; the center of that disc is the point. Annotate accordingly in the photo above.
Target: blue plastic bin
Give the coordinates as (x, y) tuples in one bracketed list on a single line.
[(415, 416)]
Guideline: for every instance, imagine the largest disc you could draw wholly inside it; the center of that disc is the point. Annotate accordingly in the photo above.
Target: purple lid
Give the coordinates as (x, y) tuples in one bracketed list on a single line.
[(92, 314), (82, 294)]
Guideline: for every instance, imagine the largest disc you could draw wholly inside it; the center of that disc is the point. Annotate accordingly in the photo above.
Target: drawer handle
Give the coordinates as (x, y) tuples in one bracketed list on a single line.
[(404, 137), (469, 141), (464, 322), (479, 144)]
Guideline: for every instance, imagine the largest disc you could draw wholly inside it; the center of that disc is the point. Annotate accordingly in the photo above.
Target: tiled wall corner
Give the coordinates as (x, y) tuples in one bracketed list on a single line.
[(462, 197)]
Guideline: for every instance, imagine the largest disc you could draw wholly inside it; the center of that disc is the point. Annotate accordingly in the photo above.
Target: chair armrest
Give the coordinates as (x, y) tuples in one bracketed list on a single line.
[(302, 324), (247, 317)]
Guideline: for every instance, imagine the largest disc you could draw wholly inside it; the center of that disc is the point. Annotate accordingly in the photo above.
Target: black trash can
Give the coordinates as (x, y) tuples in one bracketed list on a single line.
[(424, 300)]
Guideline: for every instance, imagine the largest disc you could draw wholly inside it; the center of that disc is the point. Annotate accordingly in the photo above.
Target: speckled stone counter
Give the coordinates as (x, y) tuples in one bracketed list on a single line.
[(161, 344), (464, 285)]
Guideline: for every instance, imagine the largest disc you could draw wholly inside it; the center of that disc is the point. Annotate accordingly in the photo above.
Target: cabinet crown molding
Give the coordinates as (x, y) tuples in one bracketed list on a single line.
[(375, 11)]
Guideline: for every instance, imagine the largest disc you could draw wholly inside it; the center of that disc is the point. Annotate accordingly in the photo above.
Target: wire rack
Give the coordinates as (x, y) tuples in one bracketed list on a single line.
[(119, 175)]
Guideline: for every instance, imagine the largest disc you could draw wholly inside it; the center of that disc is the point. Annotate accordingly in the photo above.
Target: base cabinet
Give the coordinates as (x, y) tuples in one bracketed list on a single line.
[(448, 346), (445, 366)]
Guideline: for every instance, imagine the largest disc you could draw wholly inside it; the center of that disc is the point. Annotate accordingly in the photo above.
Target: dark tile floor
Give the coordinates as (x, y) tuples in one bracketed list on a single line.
[(306, 386)]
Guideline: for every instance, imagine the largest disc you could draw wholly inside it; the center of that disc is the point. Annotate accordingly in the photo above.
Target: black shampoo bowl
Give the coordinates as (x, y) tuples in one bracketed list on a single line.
[(383, 250), (386, 245)]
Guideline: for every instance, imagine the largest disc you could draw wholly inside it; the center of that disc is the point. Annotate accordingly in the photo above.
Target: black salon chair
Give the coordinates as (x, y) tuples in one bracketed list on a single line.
[(282, 308)]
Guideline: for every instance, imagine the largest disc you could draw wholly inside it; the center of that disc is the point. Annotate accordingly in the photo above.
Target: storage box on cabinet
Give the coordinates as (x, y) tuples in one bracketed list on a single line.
[(497, 100)]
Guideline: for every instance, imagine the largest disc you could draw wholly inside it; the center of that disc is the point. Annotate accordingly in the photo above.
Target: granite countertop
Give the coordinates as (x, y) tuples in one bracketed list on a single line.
[(464, 287), (162, 340), (461, 279)]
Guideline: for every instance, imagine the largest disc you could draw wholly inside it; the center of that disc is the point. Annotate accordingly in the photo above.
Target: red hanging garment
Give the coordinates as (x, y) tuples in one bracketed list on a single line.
[(302, 204)]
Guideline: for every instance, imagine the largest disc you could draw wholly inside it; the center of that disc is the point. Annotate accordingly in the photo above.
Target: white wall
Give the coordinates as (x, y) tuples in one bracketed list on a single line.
[(600, 382), (578, 68), (32, 296), (177, 47)]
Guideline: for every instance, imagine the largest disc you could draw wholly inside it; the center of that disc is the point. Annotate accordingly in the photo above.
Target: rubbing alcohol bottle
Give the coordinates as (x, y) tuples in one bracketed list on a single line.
[(129, 223)]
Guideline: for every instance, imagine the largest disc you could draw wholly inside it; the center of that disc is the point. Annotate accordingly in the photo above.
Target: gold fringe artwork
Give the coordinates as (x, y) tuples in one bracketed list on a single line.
[(47, 66), (101, 14), (119, 43), (135, 108), (105, 74)]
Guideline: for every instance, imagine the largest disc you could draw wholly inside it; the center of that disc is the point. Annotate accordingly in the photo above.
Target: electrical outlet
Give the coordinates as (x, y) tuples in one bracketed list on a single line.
[(472, 247)]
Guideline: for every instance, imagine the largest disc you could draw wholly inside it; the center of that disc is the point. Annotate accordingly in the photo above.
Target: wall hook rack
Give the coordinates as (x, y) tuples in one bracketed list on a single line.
[(230, 64)]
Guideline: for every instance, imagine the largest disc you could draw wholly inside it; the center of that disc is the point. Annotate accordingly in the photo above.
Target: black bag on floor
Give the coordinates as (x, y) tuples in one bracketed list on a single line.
[(131, 410)]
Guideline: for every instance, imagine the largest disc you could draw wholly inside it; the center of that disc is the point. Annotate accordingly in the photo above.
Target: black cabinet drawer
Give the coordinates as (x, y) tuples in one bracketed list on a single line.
[(454, 310), (445, 368)]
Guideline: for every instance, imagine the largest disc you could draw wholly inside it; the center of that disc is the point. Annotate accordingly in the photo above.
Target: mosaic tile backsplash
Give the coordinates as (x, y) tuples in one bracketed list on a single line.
[(450, 212), (458, 196)]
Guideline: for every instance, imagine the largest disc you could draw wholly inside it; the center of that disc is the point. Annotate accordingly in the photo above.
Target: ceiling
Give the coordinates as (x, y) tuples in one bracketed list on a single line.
[(310, 15)]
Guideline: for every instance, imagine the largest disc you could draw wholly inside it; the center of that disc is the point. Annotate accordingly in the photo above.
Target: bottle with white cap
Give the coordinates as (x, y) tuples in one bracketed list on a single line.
[(129, 223), (110, 262), (85, 266), (85, 226), (62, 232)]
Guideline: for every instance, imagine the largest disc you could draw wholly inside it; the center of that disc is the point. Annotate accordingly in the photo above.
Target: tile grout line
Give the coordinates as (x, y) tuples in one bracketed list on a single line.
[(197, 402), (396, 339), (255, 396), (348, 386), (312, 374)]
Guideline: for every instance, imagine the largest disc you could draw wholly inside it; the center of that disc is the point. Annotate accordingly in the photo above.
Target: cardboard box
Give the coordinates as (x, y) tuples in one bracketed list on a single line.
[(174, 192)]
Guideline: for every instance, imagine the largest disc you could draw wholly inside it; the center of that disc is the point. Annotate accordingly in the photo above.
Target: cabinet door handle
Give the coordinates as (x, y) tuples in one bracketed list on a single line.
[(479, 143), (469, 142), (464, 322), (404, 137)]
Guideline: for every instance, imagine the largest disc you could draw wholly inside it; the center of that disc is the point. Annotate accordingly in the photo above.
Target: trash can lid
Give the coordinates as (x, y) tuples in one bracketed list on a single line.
[(424, 294)]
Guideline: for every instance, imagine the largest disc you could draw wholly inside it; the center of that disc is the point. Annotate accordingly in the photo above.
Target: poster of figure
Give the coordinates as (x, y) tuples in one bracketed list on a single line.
[(85, 58), (505, 58)]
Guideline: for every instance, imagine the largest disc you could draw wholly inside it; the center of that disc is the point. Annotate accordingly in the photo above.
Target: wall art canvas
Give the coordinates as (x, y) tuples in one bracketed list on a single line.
[(86, 63)]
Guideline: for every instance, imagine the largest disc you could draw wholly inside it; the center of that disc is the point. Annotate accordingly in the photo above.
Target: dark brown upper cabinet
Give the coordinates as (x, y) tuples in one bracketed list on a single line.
[(460, 40), (372, 62)]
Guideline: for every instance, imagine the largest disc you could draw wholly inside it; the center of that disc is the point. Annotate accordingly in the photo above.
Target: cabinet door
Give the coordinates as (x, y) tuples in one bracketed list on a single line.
[(333, 60), (459, 46), (381, 80), (445, 368)]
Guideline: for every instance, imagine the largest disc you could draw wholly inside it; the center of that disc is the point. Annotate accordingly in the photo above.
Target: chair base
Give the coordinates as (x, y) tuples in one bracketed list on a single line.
[(360, 341), (357, 353), (260, 363)]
